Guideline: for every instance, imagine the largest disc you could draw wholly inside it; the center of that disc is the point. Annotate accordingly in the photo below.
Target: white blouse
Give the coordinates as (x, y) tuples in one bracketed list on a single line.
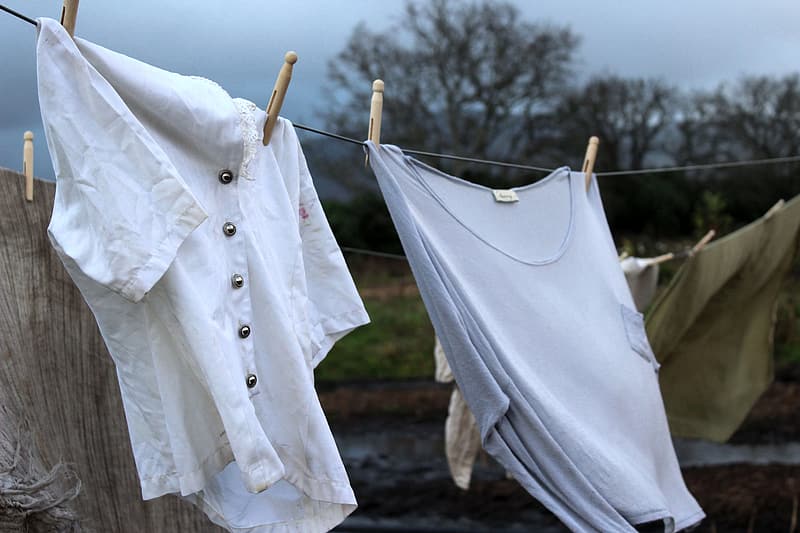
[(214, 277)]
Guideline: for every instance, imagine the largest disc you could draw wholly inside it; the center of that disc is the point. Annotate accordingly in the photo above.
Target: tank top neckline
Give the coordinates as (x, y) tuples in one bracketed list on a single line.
[(415, 165)]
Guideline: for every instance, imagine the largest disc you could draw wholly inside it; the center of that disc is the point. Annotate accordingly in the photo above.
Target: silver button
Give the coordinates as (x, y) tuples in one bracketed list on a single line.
[(251, 381), (237, 280), (225, 176), (229, 229), (244, 331)]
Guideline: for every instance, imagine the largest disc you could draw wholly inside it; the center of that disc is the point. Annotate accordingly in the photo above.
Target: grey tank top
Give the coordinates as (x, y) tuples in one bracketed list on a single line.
[(538, 325)]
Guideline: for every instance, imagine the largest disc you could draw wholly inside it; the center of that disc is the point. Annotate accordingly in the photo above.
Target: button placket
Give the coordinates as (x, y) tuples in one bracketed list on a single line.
[(238, 290)]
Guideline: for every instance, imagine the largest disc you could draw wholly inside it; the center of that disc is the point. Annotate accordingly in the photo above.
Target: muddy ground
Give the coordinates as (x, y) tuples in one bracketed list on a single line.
[(390, 436)]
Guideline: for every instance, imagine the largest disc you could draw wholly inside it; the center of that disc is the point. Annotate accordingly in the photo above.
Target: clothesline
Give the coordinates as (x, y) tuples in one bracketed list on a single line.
[(726, 164), (431, 154), (363, 251), (17, 14), (683, 254)]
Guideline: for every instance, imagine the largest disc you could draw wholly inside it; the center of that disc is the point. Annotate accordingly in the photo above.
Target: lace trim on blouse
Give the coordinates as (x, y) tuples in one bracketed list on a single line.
[(250, 134), (247, 125)]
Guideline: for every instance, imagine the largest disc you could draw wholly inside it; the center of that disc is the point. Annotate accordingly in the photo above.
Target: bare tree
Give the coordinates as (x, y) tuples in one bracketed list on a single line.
[(629, 116), (754, 118), (758, 117), (460, 77)]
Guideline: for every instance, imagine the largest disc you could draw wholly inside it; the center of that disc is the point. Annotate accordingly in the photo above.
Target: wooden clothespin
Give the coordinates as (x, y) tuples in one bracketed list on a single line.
[(375, 115), (693, 250), (588, 161), (775, 208), (69, 16), (27, 164), (278, 94), (702, 242), (661, 259)]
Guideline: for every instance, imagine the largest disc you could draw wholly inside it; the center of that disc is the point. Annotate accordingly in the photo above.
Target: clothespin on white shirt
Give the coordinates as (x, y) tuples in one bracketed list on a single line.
[(27, 164), (588, 161), (69, 16), (375, 115), (278, 94)]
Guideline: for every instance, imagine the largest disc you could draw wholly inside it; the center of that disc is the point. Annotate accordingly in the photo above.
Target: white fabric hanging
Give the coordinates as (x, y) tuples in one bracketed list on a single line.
[(209, 265), (642, 277), (462, 439)]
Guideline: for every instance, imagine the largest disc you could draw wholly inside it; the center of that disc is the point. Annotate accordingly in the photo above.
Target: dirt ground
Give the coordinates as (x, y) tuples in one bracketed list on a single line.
[(403, 479)]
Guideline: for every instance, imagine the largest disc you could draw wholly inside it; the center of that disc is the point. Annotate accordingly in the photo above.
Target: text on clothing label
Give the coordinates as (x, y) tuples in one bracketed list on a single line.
[(505, 195)]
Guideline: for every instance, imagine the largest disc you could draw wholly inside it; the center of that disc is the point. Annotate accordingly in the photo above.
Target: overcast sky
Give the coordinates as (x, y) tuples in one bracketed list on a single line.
[(692, 44)]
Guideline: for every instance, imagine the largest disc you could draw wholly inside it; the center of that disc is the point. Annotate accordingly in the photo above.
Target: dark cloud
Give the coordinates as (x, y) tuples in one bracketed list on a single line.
[(241, 44)]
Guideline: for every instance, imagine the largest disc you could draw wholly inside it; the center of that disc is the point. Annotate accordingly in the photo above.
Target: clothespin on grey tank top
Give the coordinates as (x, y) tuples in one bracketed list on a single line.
[(69, 16), (375, 115), (278, 94), (588, 160)]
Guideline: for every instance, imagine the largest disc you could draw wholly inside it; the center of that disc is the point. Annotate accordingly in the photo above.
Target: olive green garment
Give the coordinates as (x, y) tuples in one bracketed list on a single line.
[(712, 328)]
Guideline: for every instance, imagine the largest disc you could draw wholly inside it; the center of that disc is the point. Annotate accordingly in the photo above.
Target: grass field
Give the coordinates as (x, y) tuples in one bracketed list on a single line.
[(398, 343)]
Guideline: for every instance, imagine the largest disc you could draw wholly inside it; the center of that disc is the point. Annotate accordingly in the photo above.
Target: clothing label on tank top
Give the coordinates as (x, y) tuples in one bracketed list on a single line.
[(505, 195)]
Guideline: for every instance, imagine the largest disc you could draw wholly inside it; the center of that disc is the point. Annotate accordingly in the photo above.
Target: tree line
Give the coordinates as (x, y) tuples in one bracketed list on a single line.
[(475, 78)]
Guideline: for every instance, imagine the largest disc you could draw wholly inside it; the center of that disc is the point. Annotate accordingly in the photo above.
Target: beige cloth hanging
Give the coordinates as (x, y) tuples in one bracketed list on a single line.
[(712, 328), (462, 439)]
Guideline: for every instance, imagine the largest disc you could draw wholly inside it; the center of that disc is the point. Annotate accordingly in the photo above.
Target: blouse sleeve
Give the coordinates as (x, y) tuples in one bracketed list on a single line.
[(121, 209)]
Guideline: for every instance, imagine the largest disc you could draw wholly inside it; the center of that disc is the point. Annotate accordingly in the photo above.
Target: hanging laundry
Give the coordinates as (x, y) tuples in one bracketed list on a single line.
[(642, 277), (527, 297), (215, 280), (712, 328), (442, 372), (461, 435), (462, 439)]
